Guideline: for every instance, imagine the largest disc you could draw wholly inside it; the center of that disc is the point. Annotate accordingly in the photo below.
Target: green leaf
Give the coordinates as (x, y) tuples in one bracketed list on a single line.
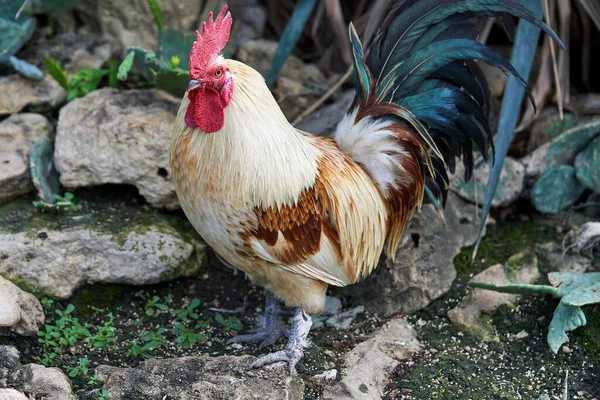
[(556, 189), (587, 166), (43, 174), (162, 307), (112, 73), (565, 319), (173, 80), (584, 294), (157, 12), (73, 373), (173, 43), (26, 69), (57, 72), (194, 303), (523, 52), (14, 34), (125, 66), (70, 308), (569, 281)]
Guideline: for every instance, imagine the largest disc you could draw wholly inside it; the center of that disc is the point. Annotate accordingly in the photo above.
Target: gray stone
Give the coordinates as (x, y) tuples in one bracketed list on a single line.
[(58, 253), (36, 380), (510, 185), (298, 84), (423, 269), (344, 319), (324, 121), (369, 365), (12, 394), (17, 134), (134, 25), (73, 51), (471, 314), (199, 378), (19, 93), (112, 136), (20, 312)]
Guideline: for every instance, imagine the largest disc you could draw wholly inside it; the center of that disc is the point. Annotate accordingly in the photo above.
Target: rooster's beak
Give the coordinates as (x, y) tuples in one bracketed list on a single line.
[(194, 84)]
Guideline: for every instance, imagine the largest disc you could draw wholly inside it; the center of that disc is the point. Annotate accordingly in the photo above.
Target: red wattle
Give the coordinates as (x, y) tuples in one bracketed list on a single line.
[(208, 111), (189, 113)]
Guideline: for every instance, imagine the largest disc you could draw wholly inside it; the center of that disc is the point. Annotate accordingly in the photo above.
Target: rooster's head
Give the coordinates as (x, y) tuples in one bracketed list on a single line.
[(210, 87)]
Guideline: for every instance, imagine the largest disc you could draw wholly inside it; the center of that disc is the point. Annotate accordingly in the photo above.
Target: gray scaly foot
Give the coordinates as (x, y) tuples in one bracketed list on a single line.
[(295, 348), (272, 329)]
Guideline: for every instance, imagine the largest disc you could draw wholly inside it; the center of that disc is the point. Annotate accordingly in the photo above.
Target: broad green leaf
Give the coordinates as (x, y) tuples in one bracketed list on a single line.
[(26, 69), (125, 66), (556, 189), (587, 166), (584, 294), (43, 174), (57, 72), (172, 42), (173, 80), (14, 34), (569, 281), (565, 319)]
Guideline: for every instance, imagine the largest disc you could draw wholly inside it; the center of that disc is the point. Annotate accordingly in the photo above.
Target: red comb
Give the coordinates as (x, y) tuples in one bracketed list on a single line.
[(210, 42)]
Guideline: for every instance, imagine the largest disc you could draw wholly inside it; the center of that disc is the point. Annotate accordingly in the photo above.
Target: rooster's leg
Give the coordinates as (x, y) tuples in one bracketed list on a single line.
[(296, 343), (272, 329)]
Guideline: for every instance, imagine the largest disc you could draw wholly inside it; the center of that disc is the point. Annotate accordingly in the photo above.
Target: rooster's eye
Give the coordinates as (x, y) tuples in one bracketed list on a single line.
[(218, 72)]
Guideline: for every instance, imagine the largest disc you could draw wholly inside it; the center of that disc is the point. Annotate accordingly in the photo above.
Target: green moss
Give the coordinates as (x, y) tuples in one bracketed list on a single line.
[(500, 244), (589, 335)]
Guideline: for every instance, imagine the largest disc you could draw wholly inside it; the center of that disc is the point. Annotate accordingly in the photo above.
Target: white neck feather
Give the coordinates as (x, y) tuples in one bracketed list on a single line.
[(257, 156)]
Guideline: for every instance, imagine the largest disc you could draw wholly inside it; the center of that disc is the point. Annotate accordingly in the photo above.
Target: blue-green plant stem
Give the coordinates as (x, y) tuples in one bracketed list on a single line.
[(515, 288)]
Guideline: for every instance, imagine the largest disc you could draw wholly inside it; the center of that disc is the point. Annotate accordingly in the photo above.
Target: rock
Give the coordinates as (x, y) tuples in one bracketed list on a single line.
[(134, 25), (12, 394), (547, 126), (298, 84), (20, 312), (495, 77), (19, 93), (587, 166), (555, 258), (510, 186), (36, 380), (324, 378), (17, 134), (251, 19), (471, 315), (107, 243), (73, 51), (333, 305), (112, 136), (344, 320), (560, 151), (424, 269), (198, 378), (324, 121), (369, 364)]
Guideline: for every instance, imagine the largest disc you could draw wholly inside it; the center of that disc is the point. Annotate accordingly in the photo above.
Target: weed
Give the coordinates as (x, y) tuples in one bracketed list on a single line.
[(80, 369), (185, 337), (147, 341), (186, 313), (64, 204), (230, 324), (82, 83), (105, 336), (153, 304)]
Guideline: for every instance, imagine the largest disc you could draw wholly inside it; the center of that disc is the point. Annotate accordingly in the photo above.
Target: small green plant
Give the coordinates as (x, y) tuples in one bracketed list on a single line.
[(230, 324), (186, 337), (574, 289), (154, 304), (93, 380), (103, 395), (80, 369), (161, 68), (47, 302), (147, 341), (84, 82), (186, 313), (63, 203), (60, 335), (105, 337)]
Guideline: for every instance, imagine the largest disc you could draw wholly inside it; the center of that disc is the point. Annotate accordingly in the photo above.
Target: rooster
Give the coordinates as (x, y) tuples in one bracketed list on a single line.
[(298, 213)]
